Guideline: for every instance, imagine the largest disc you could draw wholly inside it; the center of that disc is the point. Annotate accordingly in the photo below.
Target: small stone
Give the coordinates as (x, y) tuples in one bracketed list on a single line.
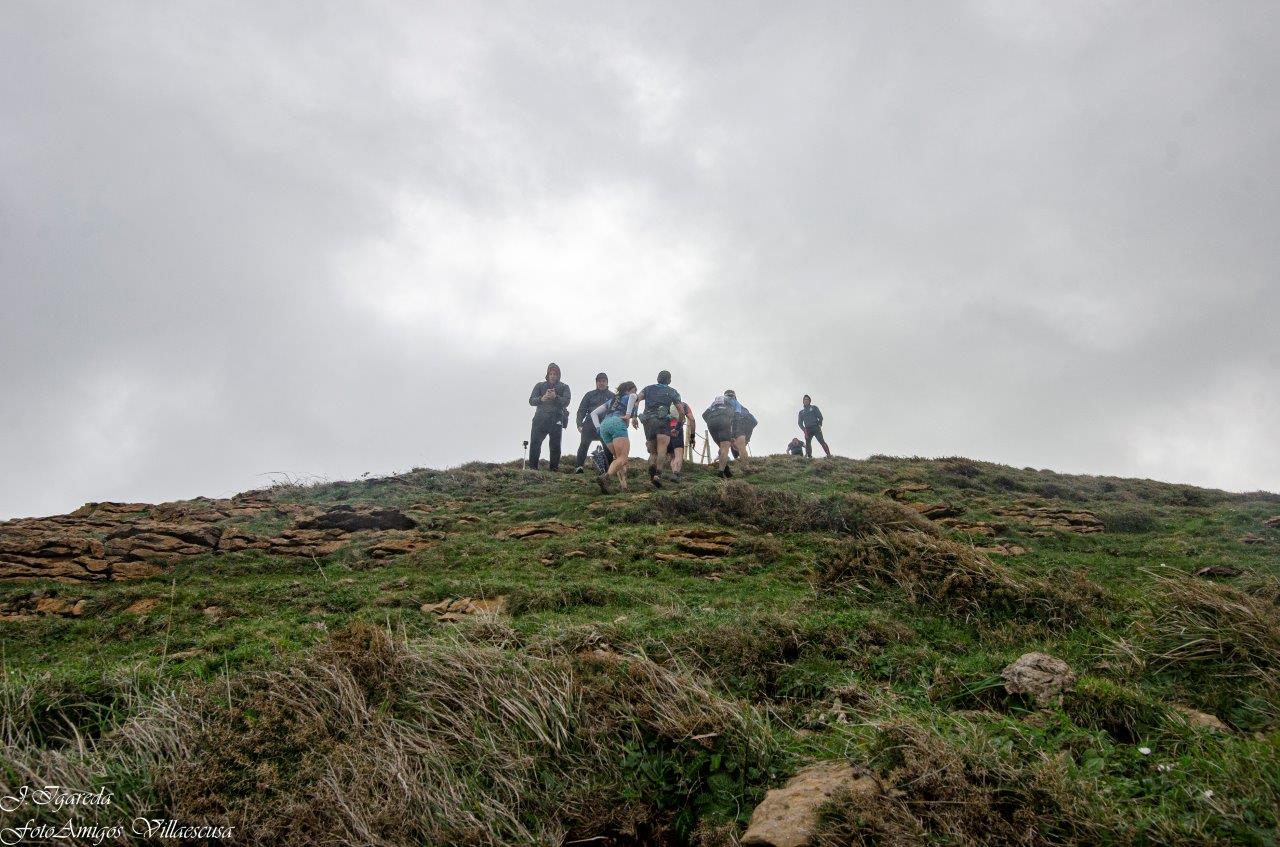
[(1197, 719), (1042, 676)]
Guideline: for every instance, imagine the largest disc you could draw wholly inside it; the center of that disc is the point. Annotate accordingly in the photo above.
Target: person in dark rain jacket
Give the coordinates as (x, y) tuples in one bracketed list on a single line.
[(550, 398)]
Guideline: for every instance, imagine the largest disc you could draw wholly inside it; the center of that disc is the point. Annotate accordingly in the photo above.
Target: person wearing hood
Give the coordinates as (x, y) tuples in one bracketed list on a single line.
[(550, 399)]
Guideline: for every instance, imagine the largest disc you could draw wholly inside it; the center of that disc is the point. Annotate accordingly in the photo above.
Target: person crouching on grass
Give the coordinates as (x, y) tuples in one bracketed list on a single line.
[(610, 420)]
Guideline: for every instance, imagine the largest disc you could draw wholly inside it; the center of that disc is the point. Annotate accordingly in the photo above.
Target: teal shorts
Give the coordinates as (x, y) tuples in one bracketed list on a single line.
[(611, 428)]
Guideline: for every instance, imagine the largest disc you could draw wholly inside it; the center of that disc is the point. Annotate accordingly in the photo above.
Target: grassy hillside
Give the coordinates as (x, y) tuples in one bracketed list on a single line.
[(642, 667)]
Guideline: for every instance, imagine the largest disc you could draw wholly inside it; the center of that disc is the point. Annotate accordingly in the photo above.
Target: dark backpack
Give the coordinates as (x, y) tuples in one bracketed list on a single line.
[(719, 417)]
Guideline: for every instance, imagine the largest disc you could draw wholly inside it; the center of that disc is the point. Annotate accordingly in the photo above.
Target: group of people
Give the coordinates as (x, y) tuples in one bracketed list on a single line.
[(668, 423)]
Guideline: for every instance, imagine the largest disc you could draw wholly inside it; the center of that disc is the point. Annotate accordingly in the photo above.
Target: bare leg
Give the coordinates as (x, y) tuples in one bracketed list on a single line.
[(621, 448), (724, 455), (740, 443), (662, 442)]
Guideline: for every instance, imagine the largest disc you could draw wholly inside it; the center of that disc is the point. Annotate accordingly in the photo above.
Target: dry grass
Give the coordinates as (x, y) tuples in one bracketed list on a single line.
[(1226, 636), (376, 740), (739, 503), (938, 571), (939, 791)]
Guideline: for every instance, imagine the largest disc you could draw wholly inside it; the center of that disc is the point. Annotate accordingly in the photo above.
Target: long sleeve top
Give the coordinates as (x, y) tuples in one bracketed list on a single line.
[(599, 413)]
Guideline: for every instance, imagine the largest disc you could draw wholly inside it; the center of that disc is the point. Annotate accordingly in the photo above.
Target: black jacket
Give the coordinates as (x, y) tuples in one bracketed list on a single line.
[(590, 403), (809, 418), (552, 410)]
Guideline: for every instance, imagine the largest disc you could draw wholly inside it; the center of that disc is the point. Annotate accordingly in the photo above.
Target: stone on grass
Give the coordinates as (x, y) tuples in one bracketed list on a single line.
[(1040, 675), (788, 816)]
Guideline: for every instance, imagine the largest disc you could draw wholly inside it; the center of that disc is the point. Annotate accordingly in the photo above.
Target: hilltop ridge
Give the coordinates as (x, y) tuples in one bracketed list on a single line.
[(522, 660)]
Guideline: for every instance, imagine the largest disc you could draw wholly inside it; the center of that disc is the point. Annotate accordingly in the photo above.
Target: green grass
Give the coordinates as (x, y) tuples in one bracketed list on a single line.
[(842, 644)]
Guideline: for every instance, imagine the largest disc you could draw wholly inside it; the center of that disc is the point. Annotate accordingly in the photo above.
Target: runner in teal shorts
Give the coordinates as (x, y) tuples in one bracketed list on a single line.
[(611, 420)]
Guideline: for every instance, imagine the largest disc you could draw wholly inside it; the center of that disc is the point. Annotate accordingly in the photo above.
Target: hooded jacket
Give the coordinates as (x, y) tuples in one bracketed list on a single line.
[(552, 411)]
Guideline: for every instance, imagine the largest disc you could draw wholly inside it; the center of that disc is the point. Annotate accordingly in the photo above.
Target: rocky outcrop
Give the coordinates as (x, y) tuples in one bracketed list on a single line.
[(542, 529), (35, 552), (1045, 520), (934, 511), (788, 816), (458, 608), (117, 541), (703, 543), (39, 604), (1004, 549), (901, 490), (357, 518), (389, 545)]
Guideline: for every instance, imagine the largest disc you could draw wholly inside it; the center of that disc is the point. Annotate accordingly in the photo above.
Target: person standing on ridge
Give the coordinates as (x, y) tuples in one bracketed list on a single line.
[(600, 394), (610, 420), (810, 421), (550, 398), (660, 407)]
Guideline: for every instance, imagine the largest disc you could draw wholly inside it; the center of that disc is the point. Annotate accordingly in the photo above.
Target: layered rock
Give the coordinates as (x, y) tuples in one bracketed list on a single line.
[(115, 541), (1044, 520)]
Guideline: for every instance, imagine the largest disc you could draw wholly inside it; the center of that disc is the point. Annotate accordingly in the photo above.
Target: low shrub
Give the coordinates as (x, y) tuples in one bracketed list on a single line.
[(957, 576), (739, 503), (1128, 519), (1222, 640)]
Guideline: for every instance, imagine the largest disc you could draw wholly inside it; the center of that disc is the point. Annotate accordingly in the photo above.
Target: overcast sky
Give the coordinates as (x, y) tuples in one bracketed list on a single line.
[(239, 239)]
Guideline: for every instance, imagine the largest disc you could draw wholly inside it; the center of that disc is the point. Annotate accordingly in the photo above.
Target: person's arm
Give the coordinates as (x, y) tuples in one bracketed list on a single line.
[(580, 416), (630, 412), (597, 414), (800, 419), (535, 397), (563, 401), (819, 411)]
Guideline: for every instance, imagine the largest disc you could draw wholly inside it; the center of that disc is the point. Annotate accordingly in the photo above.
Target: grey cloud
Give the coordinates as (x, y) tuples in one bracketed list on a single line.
[(1029, 235)]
